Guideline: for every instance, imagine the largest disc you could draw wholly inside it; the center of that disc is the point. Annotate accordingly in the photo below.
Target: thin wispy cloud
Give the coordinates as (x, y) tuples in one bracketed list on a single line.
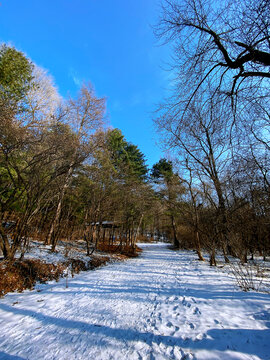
[(75, 77)]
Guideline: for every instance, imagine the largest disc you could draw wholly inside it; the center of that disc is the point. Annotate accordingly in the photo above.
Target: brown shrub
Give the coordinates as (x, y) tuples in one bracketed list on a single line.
[(97, 261), (144, 239), (76, 265), (128, 251), (22, 275)]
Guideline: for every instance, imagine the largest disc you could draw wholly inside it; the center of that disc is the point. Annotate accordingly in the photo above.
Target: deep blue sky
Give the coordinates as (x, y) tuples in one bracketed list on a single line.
[(107, 42)]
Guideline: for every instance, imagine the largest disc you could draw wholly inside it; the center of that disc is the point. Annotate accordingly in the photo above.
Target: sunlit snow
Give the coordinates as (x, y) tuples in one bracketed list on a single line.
[(162, 305)]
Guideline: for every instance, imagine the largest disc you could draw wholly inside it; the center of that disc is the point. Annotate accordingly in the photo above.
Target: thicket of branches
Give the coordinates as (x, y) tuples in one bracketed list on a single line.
[(216, 121), (63, 175)]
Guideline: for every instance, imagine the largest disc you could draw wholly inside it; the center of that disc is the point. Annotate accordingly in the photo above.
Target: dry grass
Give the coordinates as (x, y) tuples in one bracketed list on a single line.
[(97, 261), (22, 275)]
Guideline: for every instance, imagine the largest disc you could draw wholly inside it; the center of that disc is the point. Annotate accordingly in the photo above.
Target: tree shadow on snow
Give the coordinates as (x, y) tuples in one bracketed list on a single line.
[(242, 340), (196, 291), (6, 356)]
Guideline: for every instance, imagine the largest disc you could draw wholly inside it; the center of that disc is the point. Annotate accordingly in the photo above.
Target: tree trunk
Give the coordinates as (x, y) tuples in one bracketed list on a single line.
[(137, 231), (58, 209), (176, 242), (4, 244), (198, 246), (213, 257)]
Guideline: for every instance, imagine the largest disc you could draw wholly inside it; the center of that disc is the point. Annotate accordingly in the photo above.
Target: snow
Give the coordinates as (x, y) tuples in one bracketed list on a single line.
[(162, 305), (64, 250)]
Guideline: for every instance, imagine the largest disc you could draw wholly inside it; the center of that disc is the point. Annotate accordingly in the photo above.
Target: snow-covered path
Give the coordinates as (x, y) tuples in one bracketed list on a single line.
[(162, 305)]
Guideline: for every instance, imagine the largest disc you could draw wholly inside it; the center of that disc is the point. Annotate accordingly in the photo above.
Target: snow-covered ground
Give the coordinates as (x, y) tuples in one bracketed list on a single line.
[(64, 250), (162, 305)]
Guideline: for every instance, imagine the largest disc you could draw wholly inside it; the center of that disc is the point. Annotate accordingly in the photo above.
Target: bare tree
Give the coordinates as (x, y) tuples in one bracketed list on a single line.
[(219, 108), (226, 43), (195, 213), (42, 99), (201, 136), (85, 115)]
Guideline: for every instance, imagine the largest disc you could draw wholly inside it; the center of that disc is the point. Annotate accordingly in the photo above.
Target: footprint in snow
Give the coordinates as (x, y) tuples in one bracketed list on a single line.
[(187, 357), (196, 311), (200, 337), (186, 303), (181, 354), (175, 315)]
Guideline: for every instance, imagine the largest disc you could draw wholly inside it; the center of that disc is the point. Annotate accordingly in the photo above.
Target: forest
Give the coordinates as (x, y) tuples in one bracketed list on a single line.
[(67, 175)]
